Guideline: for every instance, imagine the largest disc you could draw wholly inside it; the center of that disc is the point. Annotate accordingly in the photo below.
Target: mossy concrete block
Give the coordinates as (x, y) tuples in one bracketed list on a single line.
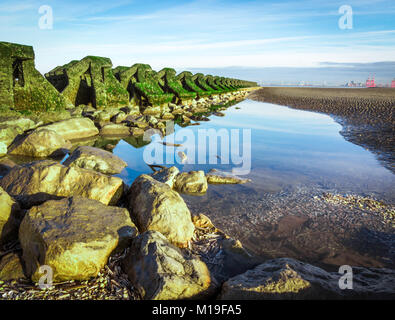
[(171, 84), (22, 87), (89, 81)]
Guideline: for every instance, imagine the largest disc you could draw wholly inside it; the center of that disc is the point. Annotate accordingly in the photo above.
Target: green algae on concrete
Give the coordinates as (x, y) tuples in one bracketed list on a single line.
[(22, 87), (89, 81), (172, 85), (186, 80), (211, 82), (142, 84), (201, 81)]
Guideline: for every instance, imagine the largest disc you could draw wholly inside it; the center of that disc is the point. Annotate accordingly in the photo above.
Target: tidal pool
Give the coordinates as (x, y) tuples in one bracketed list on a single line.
[(296, 156), (293, 157)]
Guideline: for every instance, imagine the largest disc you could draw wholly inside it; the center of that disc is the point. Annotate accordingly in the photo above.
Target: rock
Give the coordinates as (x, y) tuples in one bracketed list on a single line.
[(3, 149), (167, 116), (9, 133), (95, 159), (114, 130), (219, 114), (160, 271), (22, 123), (10, 218), (74, 236), (222, 177), (41, 143), (34, 183), (11, 267), (286, 278), (203, 222), (119, 117), (76, 128), (136, 132), (166, 175), (155, 206), (183, 156), (192, 182)]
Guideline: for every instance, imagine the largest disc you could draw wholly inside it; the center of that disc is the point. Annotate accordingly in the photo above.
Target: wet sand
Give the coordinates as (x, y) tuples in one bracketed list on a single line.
[(367, 115)]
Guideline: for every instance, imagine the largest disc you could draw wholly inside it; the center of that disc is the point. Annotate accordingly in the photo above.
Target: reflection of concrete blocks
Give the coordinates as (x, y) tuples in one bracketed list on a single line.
[(168, 81), (22, 87), (89, 81)]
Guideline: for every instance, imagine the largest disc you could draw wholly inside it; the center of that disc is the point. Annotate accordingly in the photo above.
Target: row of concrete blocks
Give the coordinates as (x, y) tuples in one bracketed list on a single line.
[(93, 81)]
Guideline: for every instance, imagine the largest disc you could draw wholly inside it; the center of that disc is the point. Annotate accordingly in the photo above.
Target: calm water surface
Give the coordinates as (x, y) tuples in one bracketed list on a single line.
[(295, 156)]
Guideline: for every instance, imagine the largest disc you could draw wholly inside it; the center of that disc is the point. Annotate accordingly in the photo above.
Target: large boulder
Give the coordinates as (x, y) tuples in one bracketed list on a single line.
[(34, 183), (95, 159), (160, 271), (72, 129), (193, 182), (11, 267), (286, 278), (74, 236), (41, 143), (155, 206), (9, 218)]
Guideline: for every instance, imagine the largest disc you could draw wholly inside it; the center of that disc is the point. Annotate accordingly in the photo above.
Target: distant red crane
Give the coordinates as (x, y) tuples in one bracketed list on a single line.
[(370, 83)]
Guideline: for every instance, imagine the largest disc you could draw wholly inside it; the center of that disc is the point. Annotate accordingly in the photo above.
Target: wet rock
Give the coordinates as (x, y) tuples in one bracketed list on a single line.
[(160, 271), (286, 278), (95, 159), (11, 267), (166, 175), (34, 183), (76, 128), (114, 130), (221, 177), (40, 144), (193, 182), (10, 218), (155, 206), (74, 236)]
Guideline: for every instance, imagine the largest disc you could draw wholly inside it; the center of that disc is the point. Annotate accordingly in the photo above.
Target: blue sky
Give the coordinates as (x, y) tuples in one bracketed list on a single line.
[(205, 33)]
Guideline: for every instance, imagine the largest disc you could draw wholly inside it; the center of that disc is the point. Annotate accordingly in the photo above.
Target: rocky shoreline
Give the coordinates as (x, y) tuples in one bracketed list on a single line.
[(106, 240), (366, 115)]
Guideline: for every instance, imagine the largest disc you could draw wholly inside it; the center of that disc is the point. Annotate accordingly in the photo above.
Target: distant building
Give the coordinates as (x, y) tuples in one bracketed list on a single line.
[(393, 84)]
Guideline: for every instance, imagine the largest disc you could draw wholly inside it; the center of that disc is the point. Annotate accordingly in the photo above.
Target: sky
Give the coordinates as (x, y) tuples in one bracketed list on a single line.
[(261, 40)]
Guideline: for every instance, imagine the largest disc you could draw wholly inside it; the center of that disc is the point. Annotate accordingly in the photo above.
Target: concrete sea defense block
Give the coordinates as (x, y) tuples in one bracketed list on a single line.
[(89, 81), (22, 87)]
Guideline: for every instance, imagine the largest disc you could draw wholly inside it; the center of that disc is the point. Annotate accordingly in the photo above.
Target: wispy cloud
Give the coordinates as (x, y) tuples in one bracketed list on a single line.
[(204, 33)]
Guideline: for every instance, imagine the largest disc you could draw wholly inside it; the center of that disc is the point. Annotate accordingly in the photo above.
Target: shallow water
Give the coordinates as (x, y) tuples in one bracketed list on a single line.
[(288, 148), (295, 155)]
